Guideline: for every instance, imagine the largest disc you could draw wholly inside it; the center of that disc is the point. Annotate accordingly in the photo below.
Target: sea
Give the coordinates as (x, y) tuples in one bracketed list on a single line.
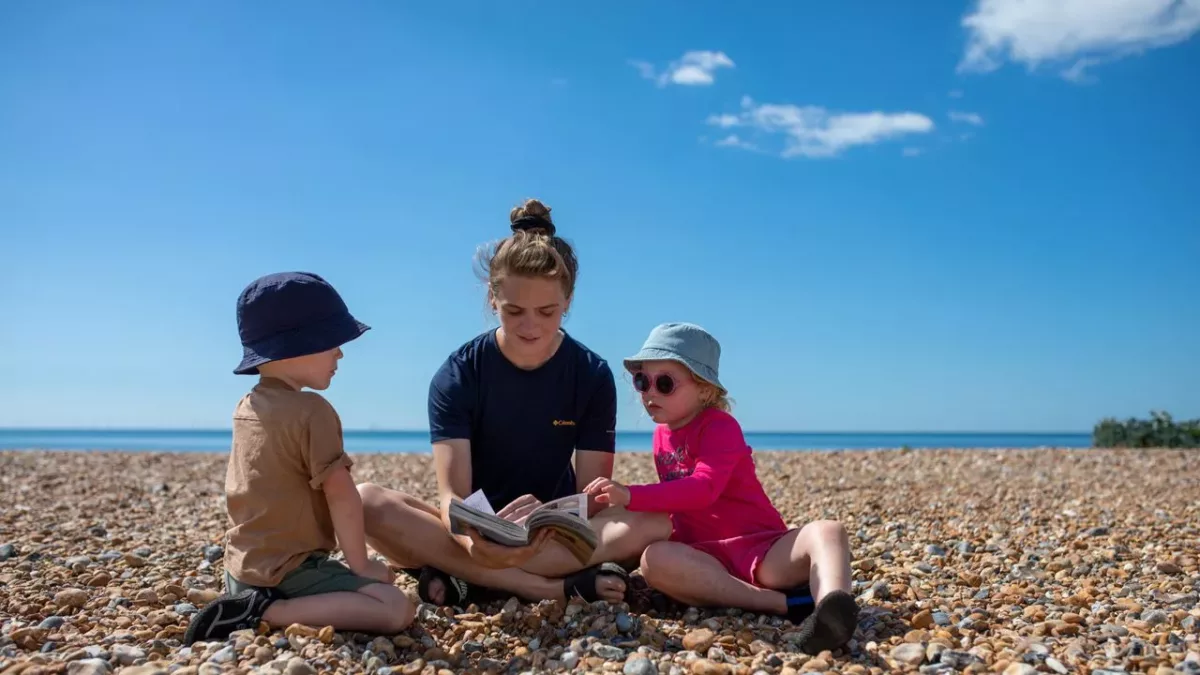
[(217, 440)]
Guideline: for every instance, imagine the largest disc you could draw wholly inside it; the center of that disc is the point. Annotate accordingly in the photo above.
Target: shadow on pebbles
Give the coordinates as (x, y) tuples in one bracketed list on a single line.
[(969, 561)]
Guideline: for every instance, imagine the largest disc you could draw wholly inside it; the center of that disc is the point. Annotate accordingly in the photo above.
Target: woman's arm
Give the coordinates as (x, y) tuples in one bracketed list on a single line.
[(452, 463), (598, 434), (591, 466)]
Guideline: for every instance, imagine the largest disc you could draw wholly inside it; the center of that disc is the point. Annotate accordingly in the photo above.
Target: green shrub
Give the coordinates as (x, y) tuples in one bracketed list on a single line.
[(1160, 431)]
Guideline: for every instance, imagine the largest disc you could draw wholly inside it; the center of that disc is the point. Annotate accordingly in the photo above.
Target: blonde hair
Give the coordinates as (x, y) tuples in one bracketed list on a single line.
[(711, 396), (530, 251)]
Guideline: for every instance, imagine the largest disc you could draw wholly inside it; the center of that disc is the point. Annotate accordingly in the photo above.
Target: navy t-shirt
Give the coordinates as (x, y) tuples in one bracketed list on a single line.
[(524, 425)]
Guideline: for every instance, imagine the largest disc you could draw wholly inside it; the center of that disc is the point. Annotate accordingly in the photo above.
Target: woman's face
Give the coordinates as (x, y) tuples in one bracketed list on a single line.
[(531, 311)]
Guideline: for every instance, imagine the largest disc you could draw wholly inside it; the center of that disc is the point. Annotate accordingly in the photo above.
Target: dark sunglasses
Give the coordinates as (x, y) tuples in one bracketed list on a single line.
[(665, 384)]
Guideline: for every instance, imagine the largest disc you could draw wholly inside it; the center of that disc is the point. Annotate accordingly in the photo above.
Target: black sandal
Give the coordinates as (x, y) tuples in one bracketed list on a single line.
[(456, 593), (583, 582)]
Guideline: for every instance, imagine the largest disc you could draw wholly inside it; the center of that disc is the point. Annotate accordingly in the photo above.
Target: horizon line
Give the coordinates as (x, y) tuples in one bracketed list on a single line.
[(619, 431)]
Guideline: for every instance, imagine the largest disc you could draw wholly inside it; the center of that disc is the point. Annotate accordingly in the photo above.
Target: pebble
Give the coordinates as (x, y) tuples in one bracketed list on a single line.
[(185, 609), (569, 660), (88, 667), (909, 653), (608, 652), (298, 666), (213, 553), (71, 597), (640, 665), (1020, 669), (957, 660), (126, 655), (698, 640), (51, 622), (223, 656), (7, 551), (1056, 665)]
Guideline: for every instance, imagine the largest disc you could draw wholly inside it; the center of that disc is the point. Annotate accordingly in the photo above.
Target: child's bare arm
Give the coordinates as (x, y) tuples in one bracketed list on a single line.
[(345, 508)]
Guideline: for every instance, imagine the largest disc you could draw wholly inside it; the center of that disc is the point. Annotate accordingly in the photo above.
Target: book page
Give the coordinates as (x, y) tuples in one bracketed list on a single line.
[(573, 504), (479, 501)]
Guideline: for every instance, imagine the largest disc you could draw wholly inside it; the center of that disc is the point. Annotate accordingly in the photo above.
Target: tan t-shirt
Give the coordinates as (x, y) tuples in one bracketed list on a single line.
[(285, 444)]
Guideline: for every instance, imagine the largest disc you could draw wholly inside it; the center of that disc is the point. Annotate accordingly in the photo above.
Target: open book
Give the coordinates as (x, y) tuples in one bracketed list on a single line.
[(565, 517)]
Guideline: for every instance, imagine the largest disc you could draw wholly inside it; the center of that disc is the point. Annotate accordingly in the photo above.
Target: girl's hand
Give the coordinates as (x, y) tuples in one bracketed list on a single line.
[(609, 492)]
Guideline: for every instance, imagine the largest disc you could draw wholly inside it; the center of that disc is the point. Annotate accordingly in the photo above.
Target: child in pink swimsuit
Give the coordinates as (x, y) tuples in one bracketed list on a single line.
[(730, 547)]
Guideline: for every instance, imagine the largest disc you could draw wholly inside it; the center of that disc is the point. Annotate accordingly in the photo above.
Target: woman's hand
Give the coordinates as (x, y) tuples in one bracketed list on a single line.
[(519, 509), (490, 554), (609, 492)]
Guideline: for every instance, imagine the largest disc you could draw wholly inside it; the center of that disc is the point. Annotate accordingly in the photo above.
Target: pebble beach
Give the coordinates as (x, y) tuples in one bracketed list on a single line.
[(1007, 561)]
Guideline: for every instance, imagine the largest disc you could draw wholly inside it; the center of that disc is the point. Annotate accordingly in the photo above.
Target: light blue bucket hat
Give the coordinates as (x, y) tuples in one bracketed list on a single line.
[(684, 343)]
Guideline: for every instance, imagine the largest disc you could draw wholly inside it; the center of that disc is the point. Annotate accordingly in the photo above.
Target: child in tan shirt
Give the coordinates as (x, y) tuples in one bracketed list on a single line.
[(289, 493)]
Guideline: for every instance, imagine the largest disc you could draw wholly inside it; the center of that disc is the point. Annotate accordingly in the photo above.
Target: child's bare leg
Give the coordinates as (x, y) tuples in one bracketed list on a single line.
[(696, 578), (379, 608), (818, 553)]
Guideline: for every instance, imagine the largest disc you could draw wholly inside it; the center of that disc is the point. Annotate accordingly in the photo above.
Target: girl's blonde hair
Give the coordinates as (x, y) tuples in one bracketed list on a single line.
[(711, 396), (532, 250)]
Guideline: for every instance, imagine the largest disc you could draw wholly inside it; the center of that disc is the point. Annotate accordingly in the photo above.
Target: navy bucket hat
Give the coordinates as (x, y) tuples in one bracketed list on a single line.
[(684, 343), (290, 314)]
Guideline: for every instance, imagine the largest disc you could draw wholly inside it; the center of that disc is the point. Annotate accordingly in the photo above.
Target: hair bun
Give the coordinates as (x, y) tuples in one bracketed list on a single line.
[(533, 223)]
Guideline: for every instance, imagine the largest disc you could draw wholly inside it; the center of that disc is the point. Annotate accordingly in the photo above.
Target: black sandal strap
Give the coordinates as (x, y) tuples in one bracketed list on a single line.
[(455, 591), (583, 582)]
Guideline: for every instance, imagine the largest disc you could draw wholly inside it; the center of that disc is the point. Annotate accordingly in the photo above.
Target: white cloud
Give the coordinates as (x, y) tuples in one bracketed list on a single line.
[(694, 68), (913, 152), (813, 131), (1081, 33), (644, 68), (724, 121), (966, 118), (735, 141)]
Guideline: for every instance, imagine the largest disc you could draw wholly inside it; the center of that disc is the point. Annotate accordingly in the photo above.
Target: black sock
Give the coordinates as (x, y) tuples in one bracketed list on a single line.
[(800, 604)]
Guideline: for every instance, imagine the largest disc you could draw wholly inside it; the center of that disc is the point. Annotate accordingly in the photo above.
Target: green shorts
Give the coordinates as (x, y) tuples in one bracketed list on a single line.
[(316, 575)]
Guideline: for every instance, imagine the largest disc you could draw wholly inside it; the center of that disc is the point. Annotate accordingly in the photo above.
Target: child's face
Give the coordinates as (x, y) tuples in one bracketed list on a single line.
[(531, 312), (314, 371), (676, 408)]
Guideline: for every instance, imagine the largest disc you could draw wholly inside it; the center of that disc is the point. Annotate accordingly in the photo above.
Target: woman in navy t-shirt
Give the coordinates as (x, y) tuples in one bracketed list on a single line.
[(508, 412)]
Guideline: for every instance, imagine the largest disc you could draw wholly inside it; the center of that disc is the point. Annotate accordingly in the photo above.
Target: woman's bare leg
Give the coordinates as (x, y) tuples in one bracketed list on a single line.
[(696, 578), (623, 537), (410, 533)]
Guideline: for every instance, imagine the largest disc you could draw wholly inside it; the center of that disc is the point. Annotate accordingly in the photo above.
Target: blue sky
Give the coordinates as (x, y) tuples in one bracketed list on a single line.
[(954, 217)]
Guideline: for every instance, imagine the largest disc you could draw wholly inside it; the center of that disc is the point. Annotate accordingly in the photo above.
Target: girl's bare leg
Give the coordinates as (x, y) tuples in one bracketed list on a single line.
[(696, 578), (818, 553)]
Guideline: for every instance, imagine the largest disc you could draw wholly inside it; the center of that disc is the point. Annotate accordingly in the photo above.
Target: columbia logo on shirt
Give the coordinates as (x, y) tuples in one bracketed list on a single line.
[(564, 423)]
